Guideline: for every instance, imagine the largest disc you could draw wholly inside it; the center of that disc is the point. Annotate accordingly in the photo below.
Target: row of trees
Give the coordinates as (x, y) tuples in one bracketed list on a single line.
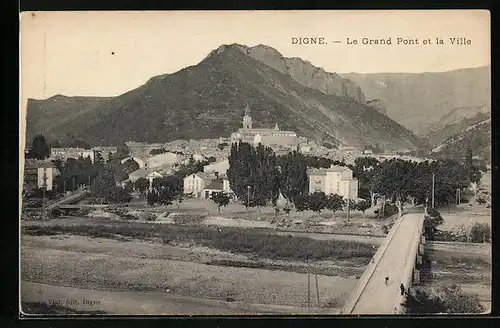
[(257, 176), (319, 201)]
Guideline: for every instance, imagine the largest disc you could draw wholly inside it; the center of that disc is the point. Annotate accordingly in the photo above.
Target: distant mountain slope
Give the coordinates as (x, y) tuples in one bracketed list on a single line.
[(49, 114), (456, 121), (208, 100), (418, 100), (477, 136)]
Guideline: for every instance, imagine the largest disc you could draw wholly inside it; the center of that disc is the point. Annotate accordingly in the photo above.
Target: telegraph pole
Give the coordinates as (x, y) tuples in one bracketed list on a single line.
[(248, 196), (432, 190), (348, 200)]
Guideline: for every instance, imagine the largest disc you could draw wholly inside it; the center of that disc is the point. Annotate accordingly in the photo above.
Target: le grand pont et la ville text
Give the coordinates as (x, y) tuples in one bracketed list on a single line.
[(459, 41)]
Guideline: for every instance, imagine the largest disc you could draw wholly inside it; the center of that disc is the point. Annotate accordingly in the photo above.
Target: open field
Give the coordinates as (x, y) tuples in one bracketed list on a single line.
[(202, 269), (98, 265)]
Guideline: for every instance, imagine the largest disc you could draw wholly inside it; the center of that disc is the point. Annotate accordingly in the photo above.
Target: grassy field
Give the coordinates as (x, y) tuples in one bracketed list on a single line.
[(236, 240)]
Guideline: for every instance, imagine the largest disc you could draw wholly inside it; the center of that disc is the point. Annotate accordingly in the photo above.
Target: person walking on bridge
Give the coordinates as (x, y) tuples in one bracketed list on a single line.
[(402, 287)]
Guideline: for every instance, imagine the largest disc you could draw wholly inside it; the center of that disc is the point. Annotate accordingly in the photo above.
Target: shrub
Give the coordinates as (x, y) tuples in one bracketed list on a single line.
[(54, 213), (235, 240), (432, 220), (481, 200), (389, 210), (480, 233), (447, 299)]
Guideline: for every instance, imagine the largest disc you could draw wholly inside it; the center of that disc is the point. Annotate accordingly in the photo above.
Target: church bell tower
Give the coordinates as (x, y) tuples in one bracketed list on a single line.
[(247, 119)]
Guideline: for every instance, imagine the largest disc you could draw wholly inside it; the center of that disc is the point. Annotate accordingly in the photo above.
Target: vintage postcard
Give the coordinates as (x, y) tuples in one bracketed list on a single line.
[(255, 162)]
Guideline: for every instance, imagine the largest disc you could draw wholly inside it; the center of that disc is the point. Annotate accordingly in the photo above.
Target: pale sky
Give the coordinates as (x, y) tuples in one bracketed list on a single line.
[(109, 53)]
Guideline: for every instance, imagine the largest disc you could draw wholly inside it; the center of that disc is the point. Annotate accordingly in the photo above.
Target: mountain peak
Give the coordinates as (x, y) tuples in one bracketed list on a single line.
[(300, 70)]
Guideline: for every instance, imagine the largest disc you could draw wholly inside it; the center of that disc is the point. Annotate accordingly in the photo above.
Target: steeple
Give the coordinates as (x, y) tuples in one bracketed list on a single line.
[(247, 119)]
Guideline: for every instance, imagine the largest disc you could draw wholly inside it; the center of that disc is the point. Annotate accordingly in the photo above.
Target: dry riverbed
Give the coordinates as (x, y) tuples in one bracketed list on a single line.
[(183, 271)]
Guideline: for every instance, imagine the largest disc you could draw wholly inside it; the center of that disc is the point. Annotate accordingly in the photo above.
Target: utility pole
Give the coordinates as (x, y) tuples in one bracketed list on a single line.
[(348, 200), (432, 190), (308, 287), (317, 288), (248, 197)]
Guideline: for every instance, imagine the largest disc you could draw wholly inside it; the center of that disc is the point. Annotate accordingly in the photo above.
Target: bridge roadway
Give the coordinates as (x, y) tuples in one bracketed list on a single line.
[(68, 199), (395, 259)]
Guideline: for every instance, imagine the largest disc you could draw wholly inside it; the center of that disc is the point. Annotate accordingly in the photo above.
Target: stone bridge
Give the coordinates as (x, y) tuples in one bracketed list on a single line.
[(396, 258)]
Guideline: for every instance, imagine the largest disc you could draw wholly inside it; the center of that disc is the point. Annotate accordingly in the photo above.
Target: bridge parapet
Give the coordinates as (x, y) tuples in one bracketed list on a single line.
[(402, 245), (367, 274)]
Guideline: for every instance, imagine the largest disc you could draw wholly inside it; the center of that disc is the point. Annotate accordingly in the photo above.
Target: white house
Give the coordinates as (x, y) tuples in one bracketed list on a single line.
[(334, 180), (195, 183), (143, 173), (217, 185), (219, 168)]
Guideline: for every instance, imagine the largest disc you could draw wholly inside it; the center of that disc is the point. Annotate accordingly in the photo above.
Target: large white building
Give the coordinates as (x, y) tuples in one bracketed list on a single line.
[(334, 180), (65, 153), (267, 137)]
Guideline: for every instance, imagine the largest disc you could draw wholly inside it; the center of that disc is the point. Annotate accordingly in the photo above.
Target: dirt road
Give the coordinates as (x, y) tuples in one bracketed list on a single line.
[(147, 303)]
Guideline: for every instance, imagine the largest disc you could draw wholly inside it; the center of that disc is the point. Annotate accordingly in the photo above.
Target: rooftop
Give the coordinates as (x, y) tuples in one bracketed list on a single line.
[(215, 184), (323, 171)]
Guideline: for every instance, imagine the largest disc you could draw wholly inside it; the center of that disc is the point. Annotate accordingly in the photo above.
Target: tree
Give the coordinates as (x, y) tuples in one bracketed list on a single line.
[(293, 177), (301, 202), (39, 148), (142, 184), (317, 201), (220, 199), (80, 144), (120, 195), (334, 203), (152, 198), (98, 159), (480, 233), (122, 152), (168, 189), (129, 187), (362, 206), (392, 180), (446, 299), (432, 219), (55, 144), (365, 169), (157, 151), (222, 145), (103, 186), (253, 173)]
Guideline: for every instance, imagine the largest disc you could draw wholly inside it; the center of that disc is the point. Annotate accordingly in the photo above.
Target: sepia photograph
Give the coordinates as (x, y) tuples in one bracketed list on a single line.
[(236, 163)]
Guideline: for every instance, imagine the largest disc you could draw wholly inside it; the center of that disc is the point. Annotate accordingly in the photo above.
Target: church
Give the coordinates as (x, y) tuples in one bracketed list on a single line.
[(267, 137)]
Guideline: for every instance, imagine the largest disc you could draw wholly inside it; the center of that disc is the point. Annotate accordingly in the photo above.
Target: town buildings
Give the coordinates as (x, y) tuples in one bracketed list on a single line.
[(334, 180), (105, 151), (267, 137), (65, 153)]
